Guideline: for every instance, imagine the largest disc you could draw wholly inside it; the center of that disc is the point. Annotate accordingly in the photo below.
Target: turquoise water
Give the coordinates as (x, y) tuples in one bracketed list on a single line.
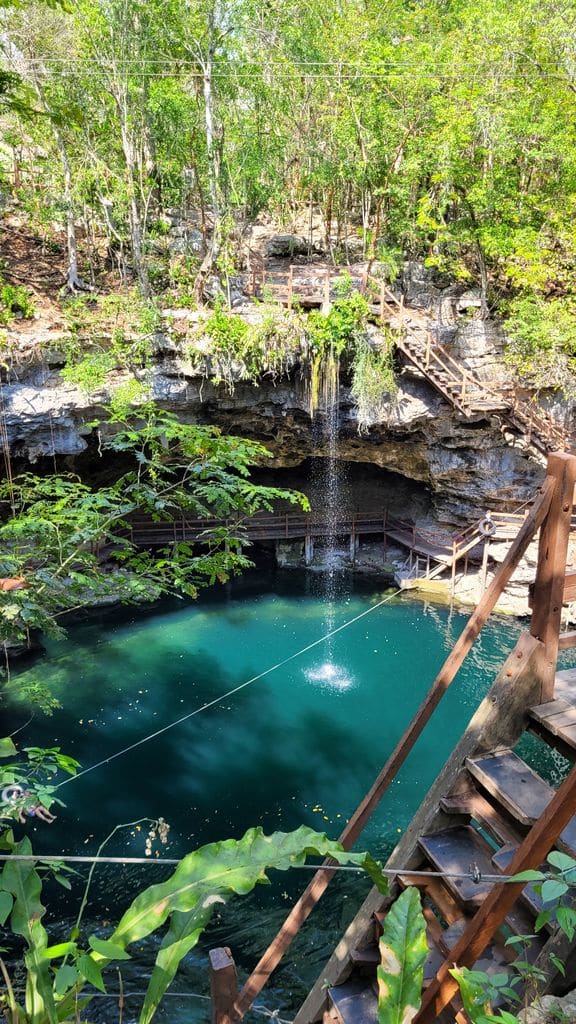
[(301, 745)]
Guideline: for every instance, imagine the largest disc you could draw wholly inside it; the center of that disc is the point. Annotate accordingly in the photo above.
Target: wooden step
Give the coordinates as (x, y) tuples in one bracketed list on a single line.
[(477, 807), (355, 1002), (455, 851), (519, 789), (558, 719)]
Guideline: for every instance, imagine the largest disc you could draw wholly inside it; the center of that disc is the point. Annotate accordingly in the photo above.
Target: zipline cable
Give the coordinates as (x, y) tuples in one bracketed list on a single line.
[(473, 874), (230, 693)]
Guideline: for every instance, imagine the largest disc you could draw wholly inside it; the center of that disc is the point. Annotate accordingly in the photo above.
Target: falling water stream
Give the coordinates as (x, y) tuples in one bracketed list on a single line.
[(329, 496)]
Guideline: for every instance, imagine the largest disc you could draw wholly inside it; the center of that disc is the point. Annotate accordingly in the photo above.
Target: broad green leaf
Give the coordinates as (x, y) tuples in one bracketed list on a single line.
[(64, 979), (566, 918), (107, 949), (90, 970), (210, 876), (22, 880), (6, 901), (527, 876), (553, 889), (7, 748), (561, 861), (403, 950), (472, 985)]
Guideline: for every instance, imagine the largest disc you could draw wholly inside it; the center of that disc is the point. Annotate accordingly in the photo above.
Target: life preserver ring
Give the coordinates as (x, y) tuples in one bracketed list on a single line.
[(12, 793), (487, 526)]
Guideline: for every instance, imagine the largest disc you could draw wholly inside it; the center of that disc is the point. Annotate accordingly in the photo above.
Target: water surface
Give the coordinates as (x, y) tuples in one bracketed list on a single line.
[(301, 745)]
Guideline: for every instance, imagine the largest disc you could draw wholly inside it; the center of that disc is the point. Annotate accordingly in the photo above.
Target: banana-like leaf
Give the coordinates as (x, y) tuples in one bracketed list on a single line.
[(403, 950), (24, 883), (210, 876)]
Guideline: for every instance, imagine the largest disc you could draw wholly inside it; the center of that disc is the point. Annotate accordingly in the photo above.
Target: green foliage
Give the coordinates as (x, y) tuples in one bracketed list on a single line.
[(116, 332), (479, 990), (373, 380), (542, 346), (242, 351), (203, 880), (51, 541), (340, 327), (15, 300), (403, 951)]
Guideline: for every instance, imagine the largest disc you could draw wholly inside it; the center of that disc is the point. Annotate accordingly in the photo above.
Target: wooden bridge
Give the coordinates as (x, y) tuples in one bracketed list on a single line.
[(487, 813), (313, 285), (430, 552)]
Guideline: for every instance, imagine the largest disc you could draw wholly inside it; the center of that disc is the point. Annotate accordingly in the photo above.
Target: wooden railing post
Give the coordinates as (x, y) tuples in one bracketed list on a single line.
[(428, 348), (223, 985), (382, 299), (552, 553), (327, 290), (290, 288)]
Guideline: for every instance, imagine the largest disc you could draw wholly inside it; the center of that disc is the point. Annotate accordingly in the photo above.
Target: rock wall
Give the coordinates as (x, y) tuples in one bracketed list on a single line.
[(466, 464)]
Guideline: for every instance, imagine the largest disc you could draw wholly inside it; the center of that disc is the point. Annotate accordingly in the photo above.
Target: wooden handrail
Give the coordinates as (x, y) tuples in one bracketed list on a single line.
[(499, 901), (362, 814)]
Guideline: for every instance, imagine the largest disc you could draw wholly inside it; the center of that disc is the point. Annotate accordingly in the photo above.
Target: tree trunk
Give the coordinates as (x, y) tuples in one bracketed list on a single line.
[(74, 282), (213, 166)]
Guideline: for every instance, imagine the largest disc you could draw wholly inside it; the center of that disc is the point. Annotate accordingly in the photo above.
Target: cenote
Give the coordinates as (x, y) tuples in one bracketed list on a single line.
[(300, 745)]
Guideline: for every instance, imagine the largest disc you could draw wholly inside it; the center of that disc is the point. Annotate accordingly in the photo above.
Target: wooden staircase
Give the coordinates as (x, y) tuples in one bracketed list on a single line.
[(312, 286), (467, 394), (472, 831)]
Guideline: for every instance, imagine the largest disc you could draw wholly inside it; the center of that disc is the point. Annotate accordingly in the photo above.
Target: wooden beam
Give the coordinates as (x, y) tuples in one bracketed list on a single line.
[(569, 587), (552, 550), (567, 640), (500, 900), (304, 906), (223, 984)]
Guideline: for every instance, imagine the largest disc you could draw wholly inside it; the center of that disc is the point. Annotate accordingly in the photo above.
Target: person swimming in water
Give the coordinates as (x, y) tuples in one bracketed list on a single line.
[(29, 808)]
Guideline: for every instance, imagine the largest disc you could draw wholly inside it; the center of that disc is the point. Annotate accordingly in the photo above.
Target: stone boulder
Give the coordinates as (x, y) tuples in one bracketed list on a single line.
[(285, 246)]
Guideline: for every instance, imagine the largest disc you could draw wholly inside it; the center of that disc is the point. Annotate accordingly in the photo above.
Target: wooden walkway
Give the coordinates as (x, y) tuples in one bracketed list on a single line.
[(436, 547)]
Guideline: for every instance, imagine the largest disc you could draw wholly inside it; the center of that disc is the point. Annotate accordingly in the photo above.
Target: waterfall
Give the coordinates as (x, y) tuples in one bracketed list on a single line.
[(329, 502)]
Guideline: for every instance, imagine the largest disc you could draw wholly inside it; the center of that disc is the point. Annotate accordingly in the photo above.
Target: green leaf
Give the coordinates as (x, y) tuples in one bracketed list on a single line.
[(561, 860), (64, 979), (107, 949), (553, 890), (208, 877), (403, 950), (542, 919), (7, 748), (90, 971), (566, 918), (558, 964), (60, 949), (22, 880), (6, 902), (527, 876)]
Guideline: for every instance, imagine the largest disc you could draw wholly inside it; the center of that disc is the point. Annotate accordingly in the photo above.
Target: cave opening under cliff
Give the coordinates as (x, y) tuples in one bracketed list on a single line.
[(363, 488)]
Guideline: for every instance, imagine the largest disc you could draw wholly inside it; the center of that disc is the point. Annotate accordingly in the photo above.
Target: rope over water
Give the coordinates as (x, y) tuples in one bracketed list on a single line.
[(230, 693)]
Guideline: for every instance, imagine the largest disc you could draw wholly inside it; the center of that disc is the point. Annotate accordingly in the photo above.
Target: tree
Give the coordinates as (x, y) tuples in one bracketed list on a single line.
[(58, 526)]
